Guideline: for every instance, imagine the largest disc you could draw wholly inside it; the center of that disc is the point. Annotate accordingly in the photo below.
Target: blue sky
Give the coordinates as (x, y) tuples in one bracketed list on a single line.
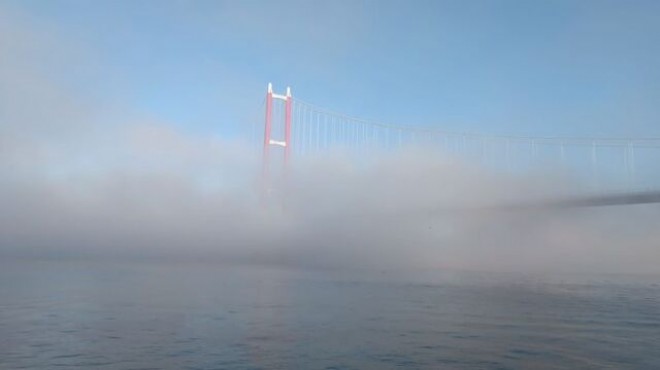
[(557, 68)]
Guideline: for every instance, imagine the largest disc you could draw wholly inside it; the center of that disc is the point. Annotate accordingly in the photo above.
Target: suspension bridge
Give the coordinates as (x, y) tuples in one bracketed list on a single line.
[(610, 170)]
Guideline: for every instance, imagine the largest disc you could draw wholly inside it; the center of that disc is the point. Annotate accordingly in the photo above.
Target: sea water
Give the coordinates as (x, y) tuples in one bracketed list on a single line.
[(166, 315)]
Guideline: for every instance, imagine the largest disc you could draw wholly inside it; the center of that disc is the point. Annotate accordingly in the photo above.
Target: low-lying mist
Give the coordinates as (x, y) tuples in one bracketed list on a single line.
[(158, 194)]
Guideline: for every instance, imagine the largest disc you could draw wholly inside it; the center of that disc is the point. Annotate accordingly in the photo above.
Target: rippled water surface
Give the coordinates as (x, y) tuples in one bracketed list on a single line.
[(204, 316)]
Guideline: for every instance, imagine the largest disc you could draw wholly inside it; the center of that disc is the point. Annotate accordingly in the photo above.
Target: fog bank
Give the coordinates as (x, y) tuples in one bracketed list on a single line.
[(198, 198)]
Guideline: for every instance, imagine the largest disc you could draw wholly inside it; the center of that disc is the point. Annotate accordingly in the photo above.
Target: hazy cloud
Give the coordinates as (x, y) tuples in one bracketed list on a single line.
[(407, 210)]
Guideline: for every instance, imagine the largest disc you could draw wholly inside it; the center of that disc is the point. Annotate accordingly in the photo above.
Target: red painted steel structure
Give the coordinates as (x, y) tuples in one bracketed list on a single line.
[(269, 142), (287, 128), (267, 132)]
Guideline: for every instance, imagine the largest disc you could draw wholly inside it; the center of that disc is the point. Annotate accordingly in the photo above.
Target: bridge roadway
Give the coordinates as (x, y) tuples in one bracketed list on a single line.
[(600, 200)]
